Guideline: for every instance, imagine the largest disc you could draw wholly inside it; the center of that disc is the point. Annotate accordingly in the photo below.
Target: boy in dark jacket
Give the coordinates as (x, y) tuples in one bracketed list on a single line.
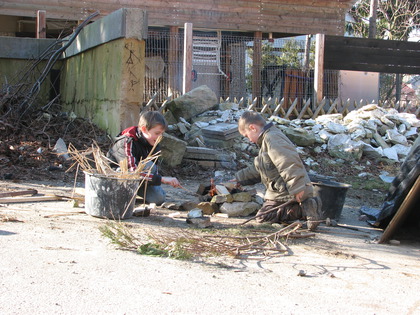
[(279, 167), (136, 143)]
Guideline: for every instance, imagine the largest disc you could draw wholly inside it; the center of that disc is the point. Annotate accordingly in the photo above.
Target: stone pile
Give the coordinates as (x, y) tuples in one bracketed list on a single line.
[(224, 198), (370, 131)]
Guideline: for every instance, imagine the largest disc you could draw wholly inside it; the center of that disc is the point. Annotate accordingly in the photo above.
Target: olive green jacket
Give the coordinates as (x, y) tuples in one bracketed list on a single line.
[(278, 166)]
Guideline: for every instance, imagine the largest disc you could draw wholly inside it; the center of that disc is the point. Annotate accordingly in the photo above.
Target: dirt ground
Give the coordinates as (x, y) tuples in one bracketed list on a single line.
[(54, 259)]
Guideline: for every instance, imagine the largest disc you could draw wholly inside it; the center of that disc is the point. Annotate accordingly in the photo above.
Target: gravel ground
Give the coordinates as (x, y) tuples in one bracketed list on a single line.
[(55, 261)]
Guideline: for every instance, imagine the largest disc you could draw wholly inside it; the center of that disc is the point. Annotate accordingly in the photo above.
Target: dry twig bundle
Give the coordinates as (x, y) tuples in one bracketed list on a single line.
[(182, 244)]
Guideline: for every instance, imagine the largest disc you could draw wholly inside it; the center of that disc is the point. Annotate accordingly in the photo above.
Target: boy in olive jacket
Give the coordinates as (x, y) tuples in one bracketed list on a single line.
[(279, 167)]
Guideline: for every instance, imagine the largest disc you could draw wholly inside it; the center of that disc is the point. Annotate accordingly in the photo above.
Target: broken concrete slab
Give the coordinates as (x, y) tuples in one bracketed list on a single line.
[(221, 131)]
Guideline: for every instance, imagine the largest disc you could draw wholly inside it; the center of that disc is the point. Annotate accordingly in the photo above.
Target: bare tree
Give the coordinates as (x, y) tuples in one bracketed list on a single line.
[(396, 19)]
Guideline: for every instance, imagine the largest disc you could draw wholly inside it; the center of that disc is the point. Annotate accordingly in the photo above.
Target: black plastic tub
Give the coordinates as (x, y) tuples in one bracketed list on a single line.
[(333, 196), (110, 197)]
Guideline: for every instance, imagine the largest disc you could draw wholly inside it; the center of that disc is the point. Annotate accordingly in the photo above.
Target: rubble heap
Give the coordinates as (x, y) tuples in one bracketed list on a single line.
[(370, 131)]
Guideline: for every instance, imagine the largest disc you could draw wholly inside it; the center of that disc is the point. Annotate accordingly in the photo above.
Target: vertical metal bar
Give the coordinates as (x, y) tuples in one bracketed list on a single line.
[(173, 59), (256, 66), (186, 77)]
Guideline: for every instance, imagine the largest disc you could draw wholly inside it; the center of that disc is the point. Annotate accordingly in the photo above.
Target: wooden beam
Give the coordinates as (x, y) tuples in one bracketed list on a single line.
[(31, 199), (18, 193), (186, 77), (41, 24), (319, 68), (402, 213)]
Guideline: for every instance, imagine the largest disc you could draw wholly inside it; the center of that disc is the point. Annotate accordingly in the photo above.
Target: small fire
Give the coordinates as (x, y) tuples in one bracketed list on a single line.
[(212, 190)]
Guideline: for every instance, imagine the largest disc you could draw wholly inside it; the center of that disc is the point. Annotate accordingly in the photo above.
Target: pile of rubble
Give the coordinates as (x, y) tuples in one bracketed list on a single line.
[(210, 136), (222, 199)]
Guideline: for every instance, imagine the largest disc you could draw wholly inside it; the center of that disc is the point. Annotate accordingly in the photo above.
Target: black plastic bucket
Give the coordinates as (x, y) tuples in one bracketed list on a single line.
[(110, 197), (333, 196)]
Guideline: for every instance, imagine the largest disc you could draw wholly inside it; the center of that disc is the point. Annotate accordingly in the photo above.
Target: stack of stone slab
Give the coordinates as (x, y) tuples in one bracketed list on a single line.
[(228, 201), (220, 135), (207, 157)]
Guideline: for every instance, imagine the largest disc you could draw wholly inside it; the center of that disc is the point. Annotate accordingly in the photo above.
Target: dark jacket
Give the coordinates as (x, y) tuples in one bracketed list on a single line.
[(130, 144), (278, 166)]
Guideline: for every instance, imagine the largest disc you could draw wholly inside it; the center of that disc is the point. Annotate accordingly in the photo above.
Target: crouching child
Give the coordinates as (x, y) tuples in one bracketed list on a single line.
[(279, 167), (135, 144)]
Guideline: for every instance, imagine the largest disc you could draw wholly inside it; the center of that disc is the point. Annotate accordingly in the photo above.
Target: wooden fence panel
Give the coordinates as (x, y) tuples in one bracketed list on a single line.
[(288, 109)]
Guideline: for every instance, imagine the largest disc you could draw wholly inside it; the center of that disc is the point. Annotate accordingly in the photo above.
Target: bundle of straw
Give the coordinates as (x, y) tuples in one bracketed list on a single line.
[(100, 164)]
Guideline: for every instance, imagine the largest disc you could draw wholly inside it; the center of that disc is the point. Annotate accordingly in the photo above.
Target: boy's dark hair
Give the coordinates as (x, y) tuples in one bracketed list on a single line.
[(151, 119), (248, 118)]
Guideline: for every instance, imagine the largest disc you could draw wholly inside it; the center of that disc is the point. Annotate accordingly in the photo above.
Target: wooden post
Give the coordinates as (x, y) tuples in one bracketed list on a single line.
[(372, 18), (256, 66), (41, 24), (173, 59), (319, 69), (186, 77)]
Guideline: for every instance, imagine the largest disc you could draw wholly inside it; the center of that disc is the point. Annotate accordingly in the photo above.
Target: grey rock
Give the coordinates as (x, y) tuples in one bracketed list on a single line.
[(335, 128), (193, 103), (391, 154), (372, 152), (173, 150), (300, 136), (395, 137), (343, 147), (239, 209)]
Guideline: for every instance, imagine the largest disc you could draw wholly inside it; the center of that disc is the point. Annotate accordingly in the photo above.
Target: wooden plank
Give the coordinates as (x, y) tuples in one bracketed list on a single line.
[(253, 104), (30, 199), (18, 193), (319, 109), (306, 17), (279, 109), (374, 55), (409, 203), (41, 24), (333, 107), (319, 68), (304, 109), (291, 108), (340, 41)]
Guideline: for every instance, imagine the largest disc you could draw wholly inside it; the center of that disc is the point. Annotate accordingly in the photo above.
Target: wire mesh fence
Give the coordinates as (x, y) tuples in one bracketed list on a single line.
[(227, 64)]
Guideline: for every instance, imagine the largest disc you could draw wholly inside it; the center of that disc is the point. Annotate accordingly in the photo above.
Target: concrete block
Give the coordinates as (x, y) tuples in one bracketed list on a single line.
[(123, 23)]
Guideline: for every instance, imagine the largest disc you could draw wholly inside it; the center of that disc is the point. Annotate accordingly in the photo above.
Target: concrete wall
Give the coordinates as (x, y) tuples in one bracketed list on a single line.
[(105, 84), (103, 75), (102, 71), (17, 56)]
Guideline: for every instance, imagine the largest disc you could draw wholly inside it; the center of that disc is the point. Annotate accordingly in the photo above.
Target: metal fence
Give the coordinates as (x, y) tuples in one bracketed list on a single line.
[(225, 64)]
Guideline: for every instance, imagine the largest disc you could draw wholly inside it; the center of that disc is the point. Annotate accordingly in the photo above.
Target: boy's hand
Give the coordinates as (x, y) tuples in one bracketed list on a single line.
[(237, 184), (299, 196), (173, 181)]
